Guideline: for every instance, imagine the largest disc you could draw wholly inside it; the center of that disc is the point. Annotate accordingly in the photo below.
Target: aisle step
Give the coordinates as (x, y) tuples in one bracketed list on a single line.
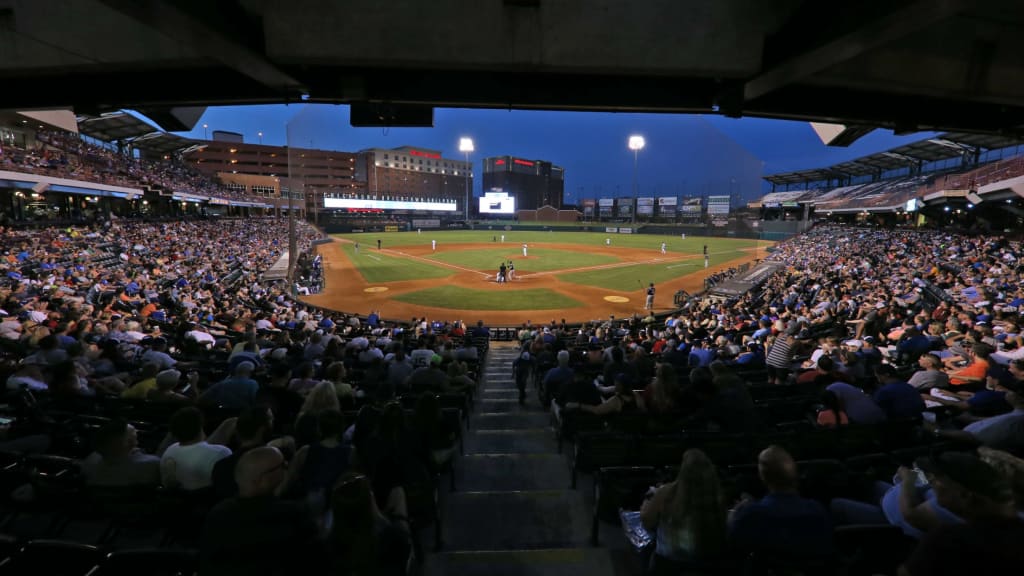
[(541, 562), (481, 472), (513, 520), (506, 420), (511, 441)]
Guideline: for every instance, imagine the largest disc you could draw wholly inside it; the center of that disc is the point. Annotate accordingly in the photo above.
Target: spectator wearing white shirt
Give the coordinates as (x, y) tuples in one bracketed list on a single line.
[(188, 463)]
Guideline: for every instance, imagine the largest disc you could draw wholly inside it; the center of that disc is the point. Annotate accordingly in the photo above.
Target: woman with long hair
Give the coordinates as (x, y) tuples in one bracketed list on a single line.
[(687, 516), (365, 542), (660, 395)]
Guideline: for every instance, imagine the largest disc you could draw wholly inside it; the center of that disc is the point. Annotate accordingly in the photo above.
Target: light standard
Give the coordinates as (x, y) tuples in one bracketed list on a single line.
[(206, 133), (260, 134), (636, 144), (466, 146)]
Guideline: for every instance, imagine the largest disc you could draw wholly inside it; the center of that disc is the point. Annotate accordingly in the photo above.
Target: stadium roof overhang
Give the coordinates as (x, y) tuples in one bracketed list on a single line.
[(162, 143), (907, 65), (113, 126), (942, 147)]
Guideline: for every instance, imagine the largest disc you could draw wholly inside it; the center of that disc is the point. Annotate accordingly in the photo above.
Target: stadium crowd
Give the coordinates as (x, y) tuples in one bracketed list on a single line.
[(912, 333), (153, 355), (65, 155)]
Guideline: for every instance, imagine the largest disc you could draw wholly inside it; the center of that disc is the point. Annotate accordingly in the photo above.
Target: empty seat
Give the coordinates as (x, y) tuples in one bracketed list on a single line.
[(53, 558), (149, 561)]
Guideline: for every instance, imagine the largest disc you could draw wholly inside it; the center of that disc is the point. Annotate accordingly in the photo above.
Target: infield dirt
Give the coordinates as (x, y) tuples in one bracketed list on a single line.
[(345, 289)]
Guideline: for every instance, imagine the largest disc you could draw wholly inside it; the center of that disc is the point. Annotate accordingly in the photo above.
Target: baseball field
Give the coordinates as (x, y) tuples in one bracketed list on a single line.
[(579, 276)]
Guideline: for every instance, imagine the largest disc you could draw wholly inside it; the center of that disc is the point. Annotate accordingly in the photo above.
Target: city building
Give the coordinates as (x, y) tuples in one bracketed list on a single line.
[(318, 172), (533, 183), (412, 172)]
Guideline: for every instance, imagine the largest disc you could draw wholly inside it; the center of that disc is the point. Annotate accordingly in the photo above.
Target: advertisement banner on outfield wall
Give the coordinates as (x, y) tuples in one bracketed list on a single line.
[(611, 230), (718, 205), (625, 230), (645, 206), (667, 205), (426, 223), (609, 202), (588, 207)]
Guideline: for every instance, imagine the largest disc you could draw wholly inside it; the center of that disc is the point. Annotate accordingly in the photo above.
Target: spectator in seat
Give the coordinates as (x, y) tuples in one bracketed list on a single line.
[(860, 407), (623, 400), (971, 376), (255, 532), (782, 527), (146, 382), (895, 397), (558, 380), (687, 516), (661, 395), (910, 505), (237, 392), (1002, 432), (832, 414), (366, 541), (118, 461), (188, 463), (988, 542), (252, 430), (429, 378), (930, 375)]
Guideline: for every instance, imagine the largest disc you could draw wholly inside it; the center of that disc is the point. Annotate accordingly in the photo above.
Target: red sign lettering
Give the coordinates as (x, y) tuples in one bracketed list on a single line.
[(523, 162), (499, 162), (424, 154)]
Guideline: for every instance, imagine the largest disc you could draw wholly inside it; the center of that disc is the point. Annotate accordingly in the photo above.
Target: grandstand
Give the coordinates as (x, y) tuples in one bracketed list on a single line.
[(935, 175), (852, 405)]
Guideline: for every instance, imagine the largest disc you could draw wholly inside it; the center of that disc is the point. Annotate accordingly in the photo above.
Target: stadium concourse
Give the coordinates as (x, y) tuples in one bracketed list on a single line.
[(159, 395)]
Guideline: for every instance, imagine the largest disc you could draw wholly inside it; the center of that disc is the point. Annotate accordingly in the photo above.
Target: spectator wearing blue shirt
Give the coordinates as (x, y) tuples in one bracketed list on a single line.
[(373, 319), (783, 526), (913, 345), (896, 397), (237, 392), (763, 330)]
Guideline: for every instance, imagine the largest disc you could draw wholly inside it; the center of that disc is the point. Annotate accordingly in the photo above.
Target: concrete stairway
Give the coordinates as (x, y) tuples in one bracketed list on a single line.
[(513, 512)]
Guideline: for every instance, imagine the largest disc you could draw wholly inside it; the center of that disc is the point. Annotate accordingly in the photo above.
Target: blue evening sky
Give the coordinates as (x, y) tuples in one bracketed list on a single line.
[(685, 155)]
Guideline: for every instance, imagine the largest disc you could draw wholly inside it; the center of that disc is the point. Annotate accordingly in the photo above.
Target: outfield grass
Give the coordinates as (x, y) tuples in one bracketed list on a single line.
[(515, 238), (540, 259), (639, 275), (377, 267), (495, 298)]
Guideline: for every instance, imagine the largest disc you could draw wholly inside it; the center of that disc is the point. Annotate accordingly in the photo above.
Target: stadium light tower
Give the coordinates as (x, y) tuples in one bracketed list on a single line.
[(636, 144), (206, 132), (466, 146)]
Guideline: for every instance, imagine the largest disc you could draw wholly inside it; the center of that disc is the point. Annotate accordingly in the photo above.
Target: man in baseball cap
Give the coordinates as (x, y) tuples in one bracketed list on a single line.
[(989, 540)]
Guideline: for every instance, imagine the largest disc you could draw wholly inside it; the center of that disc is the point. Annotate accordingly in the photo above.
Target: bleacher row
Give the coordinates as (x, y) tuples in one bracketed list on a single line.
[(52, 523)]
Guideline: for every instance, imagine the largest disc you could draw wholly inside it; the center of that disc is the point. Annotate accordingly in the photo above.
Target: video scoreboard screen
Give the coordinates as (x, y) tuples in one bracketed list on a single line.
[(497, 203)]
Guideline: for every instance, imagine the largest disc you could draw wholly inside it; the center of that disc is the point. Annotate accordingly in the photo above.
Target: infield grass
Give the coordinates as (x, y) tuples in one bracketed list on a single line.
[(377, 267), (496, 298)]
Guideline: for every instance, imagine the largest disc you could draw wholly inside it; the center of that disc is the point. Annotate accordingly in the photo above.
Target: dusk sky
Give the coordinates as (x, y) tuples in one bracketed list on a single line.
[(684, 155)]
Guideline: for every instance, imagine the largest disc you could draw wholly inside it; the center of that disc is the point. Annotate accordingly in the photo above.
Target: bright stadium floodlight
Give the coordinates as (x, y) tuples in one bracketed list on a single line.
[(466, 146), (636, 144)]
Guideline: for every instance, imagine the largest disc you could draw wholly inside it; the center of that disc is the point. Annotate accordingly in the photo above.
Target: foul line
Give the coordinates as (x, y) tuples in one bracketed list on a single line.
[(439, 263), (372, 256), (609, 266), (684, 261)]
